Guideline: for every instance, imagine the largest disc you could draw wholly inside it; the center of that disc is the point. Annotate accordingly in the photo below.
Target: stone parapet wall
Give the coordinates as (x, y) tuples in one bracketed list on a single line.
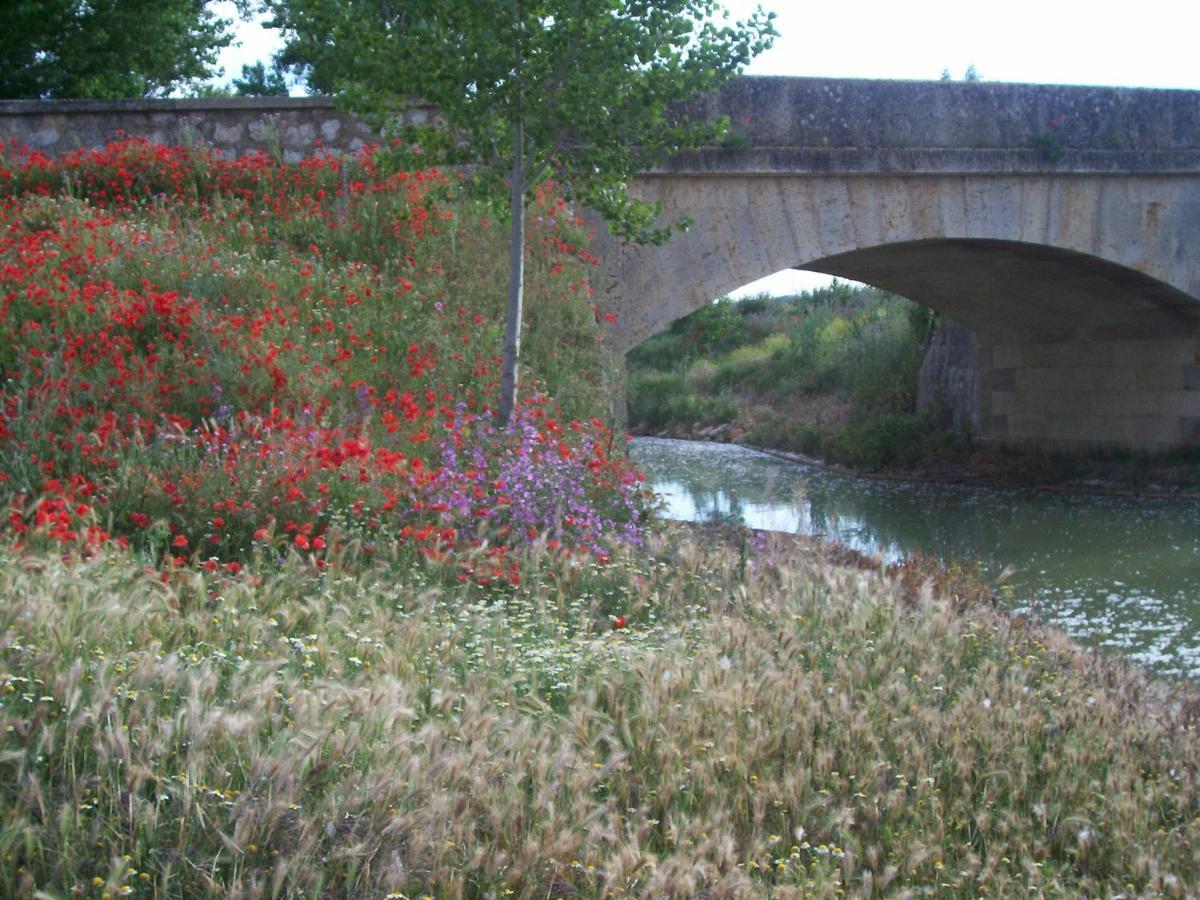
[(817, 125), (290, 127), (849, 112)]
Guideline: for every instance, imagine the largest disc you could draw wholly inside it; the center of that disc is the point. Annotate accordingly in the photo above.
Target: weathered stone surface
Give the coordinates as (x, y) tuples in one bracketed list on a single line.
[(948, 383), (235, 125), (1052, 223)]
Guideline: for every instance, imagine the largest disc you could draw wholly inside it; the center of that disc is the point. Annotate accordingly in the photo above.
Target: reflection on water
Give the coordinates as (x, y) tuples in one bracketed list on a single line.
[(1116, 572)]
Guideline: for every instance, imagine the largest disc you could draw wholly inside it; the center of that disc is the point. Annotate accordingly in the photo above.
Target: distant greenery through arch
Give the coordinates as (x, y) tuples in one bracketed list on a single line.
[(831, 372)]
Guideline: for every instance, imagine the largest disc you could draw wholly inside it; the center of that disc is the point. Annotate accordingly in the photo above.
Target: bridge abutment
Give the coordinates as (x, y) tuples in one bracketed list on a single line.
[(1090, 393)]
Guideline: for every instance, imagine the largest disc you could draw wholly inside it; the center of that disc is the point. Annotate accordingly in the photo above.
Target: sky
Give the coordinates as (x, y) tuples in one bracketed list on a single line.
[(1150, 43)]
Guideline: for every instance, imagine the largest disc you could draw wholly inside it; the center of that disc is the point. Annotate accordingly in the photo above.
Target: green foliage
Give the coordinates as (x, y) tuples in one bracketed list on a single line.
[(594, 84), (659, 399), (971, 75), (584, 92), (207, 91), (714, 329), (869, 440), (788, 433), (859, 348), (106, 49), (258, 81), (1050, 145), (873, 441)]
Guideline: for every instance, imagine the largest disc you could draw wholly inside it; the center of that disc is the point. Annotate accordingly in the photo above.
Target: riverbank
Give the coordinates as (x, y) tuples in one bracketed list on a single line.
[(1128, 476), (1115, 572), (285, 615), (830, 373), (685, 717)]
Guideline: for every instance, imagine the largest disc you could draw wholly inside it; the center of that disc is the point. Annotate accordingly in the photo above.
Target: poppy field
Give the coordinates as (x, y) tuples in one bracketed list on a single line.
[(201, 357)]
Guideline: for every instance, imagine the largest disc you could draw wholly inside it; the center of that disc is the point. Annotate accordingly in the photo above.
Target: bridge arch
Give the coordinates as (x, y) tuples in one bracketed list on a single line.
[(1028, 254), (1079, 339), (1060, 225)]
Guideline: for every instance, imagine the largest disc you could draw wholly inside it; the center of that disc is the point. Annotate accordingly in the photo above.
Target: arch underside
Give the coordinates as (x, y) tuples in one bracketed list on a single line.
[(1019, 291), (1049, 248), (1068, 353), (1082, 292)]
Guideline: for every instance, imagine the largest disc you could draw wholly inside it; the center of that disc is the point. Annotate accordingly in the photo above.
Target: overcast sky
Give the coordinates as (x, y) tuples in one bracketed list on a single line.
[(1148, 43)]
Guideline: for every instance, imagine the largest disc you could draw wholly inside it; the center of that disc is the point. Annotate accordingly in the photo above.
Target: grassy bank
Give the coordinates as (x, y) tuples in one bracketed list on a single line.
[(766, 725), (831, 373), (286, 615)]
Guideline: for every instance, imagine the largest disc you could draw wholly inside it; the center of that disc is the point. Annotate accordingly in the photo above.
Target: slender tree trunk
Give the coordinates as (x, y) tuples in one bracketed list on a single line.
[(516, 280)]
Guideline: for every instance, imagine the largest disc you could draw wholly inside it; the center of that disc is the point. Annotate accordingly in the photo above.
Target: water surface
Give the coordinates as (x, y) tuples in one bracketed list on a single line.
[(1114, 572)]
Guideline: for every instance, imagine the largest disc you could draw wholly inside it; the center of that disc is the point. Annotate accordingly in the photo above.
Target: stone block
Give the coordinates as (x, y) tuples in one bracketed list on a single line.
[(994, 426), (998, 380), (228, 132), (1007, 355), (1166, 377), (865, 213), (43, 138), (303, 135), (264, 130), (831, 203), (1189, 429), (1132, 353), (952, 204), (1057, 354), (798, 206), (1003, 403), (924, 212)]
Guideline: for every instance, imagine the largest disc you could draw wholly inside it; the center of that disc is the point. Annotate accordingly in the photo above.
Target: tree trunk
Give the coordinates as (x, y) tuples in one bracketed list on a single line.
[(516, 281)]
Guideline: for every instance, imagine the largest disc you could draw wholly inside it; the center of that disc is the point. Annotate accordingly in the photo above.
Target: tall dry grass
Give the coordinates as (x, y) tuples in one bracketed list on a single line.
[(766, 725)]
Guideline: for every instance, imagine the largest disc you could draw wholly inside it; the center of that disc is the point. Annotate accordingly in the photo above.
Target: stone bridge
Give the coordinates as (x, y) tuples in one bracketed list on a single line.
[(1060, 225)]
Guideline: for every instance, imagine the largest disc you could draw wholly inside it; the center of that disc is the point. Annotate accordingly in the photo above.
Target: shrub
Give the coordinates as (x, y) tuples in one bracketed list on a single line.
[(787, 433), (658, 399)]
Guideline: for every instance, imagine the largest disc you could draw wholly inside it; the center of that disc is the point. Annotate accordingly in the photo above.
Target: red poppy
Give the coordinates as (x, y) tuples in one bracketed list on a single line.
[(619, 622)]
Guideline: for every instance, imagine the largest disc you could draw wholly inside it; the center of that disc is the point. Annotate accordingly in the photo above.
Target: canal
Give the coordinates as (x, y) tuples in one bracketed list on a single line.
[(1119, 573)]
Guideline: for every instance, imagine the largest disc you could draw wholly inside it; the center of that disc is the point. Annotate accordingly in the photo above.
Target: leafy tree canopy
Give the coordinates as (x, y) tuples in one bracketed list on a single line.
[(586, 92), (595, 84), (259, 81), (106, 49)]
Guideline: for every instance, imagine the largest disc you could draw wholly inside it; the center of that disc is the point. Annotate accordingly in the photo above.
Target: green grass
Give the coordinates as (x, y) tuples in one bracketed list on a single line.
[(766, 725)]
